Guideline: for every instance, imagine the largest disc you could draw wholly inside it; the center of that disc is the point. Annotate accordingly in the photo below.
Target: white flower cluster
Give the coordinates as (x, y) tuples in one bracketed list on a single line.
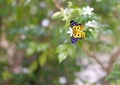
[(92, 23), (67, 13), (85, 11), (88, 11)]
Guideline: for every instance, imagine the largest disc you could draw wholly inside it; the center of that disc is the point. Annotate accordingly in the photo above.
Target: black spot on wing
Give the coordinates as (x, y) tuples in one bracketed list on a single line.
[(80, 24)]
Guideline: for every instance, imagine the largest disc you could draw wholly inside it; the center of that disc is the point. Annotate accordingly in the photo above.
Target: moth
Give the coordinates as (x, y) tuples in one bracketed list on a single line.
[(77, 31)]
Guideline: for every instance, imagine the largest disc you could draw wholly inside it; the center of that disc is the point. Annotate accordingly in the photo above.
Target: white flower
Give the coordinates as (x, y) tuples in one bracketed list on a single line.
[(42, 4), (92, 23), (25, 70), (22, 37), (87, 10), (45, 22), (60, 30), (70, 32), (67, 11), (71, 10), (62, 80), (33, 10), (26, 28), (66, 14)]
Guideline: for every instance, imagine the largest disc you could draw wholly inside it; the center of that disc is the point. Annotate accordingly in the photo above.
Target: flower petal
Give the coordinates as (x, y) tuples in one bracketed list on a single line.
[(87, 10)]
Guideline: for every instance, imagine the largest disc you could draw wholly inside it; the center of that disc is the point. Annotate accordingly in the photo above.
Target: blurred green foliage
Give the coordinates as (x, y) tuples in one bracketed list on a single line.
[(47, 46)]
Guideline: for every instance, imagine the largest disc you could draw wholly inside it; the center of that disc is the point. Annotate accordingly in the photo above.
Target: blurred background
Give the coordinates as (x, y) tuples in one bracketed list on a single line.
[(29, 38)]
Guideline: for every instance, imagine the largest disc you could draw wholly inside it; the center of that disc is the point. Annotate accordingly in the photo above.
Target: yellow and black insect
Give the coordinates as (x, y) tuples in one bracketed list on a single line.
[(77, 31)]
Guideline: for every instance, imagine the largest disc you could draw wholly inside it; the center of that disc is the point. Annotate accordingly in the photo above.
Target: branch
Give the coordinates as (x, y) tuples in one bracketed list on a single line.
[(58, 6), (113, 58), (93, 57)]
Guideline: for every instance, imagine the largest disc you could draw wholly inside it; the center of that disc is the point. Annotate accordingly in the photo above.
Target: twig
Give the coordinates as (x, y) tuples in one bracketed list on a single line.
[(58, 6), (93, 57), (113, 58)]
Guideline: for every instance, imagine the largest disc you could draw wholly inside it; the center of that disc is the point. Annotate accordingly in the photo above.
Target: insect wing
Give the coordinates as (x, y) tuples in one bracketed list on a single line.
[(73, 40), (81, 27), (72, 23)]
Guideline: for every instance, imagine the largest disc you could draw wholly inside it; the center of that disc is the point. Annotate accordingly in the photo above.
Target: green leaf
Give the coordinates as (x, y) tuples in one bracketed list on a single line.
[(115, 82), (79, 44), (33, 66), (42, 47), (70, 4), (9, 1), (118, 81), (80, 19), (61, 48), (94, 34), (62, 56), (6, 75), (27, 2), (42, 59), (32, 44), (21, 45), (56, 15), (110, 77), (30, 51), (71, 50), (88, 34)]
